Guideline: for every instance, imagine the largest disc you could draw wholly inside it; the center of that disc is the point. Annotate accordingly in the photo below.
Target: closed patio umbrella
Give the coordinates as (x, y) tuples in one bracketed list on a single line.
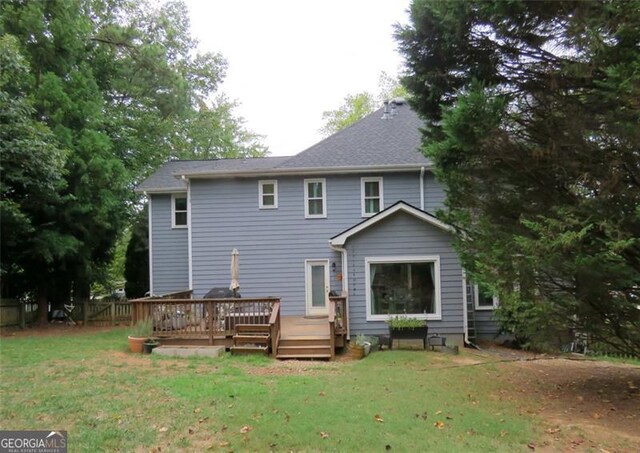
[(235, 270)]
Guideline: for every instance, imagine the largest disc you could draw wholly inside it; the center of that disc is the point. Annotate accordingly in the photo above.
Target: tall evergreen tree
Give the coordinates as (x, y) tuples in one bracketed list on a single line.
[(532, 115), (107, 91)]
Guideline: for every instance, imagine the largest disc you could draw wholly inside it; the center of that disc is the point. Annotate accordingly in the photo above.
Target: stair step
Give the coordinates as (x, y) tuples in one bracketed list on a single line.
[(305, 341), (304, 356), (240, 350), (252, 328), (304, 350), (251, 339)]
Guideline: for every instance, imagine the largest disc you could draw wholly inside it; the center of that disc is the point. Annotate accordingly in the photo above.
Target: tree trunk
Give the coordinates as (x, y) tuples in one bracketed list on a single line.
[(43, 306)]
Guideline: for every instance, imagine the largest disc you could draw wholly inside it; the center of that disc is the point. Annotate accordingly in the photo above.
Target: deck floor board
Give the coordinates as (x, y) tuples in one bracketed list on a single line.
[(300, 327)]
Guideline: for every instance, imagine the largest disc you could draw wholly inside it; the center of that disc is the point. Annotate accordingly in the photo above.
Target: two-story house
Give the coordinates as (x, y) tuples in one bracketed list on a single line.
[(351, 215)]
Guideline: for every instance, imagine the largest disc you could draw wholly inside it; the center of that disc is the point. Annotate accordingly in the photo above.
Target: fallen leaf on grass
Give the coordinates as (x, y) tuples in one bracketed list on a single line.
[(449, 417), (164, 429), (224, 428), (504, 433), (197, 410), (224, 444), (203, 419), (245, 429), (321, 394), (438, 412), (192, 430), (378, 418), (596, 416), (439, 424), (552, 430), (324, 435), (531, 445)]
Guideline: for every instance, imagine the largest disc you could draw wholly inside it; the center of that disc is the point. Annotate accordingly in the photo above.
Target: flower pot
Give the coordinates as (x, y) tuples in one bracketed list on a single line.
[(136, 344), (367, 348), (356, 351), (147, 346)]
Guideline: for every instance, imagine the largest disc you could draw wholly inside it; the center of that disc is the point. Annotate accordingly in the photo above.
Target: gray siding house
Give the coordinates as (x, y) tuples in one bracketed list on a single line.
[(352, 215)]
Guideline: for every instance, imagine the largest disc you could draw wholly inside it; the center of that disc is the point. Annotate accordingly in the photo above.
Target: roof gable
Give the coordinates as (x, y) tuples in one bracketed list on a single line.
[(340, 239)]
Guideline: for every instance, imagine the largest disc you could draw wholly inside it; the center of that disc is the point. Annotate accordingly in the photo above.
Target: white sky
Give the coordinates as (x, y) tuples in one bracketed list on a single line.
[(289, 61)]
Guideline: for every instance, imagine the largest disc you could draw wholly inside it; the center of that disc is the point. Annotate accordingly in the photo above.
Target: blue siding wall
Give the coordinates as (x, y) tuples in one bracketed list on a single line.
[(274, 243), (169, 250), (486, 326), (403, 234)]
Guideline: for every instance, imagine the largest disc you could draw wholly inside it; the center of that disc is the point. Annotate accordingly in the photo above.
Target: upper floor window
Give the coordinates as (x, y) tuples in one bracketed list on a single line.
[(268, 194), (315, 198), (178, 211), (484, 299), (372, 199)]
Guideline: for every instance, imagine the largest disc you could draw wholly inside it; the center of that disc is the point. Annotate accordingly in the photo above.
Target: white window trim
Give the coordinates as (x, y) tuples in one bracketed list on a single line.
[(261, 194), (363, 181), (435, 259), (173, 209), (324, 199), (476, 300)]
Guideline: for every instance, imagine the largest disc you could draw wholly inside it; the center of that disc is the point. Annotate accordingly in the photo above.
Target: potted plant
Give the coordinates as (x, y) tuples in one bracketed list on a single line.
[(140, 333), (360, 347), (405, 328), (149, 345)]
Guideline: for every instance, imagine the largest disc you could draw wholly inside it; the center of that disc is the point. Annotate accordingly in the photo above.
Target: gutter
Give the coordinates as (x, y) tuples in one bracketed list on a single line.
[(300, 171), (345, 281)]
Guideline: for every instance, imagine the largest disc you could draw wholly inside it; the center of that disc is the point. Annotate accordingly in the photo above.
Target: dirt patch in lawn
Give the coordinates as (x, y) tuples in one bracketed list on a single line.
[(584, 404)]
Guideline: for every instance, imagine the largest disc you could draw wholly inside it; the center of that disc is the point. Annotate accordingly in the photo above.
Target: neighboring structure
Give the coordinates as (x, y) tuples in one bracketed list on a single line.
[(352, 215)]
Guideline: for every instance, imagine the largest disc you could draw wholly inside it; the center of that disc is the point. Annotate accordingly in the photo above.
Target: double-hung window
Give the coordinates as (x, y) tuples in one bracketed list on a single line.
[(178, 211), (268, 194), (315, 198), (371, 196), (404, 285)]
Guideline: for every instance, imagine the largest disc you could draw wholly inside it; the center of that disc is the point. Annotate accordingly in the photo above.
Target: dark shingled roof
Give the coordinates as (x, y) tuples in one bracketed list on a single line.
[(371, 142), (165, 177)]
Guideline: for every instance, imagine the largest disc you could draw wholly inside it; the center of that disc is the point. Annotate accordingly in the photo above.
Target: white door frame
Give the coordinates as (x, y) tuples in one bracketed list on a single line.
[(310, 310)]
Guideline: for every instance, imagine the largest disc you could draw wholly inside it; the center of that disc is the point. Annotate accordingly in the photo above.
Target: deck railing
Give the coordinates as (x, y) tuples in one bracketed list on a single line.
[(332, 328), (339, 304), (175, 317), (274, 325)]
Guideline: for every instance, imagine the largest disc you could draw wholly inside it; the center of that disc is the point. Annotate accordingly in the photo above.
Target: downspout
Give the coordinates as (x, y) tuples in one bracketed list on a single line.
[(345, 281), (422, 188), (189, 236), (465, 316), (150, 245)]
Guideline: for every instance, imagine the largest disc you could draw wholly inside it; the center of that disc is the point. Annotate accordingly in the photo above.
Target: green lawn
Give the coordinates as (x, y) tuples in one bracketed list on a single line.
[(108, 399)]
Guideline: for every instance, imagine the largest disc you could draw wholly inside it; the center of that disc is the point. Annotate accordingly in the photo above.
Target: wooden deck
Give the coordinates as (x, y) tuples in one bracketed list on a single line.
[(245, 325)]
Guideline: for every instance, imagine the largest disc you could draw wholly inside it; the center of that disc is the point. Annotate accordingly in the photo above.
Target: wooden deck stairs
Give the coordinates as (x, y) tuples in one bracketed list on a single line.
[(301, 338), (304, 338), (251, 339), (304, 347)]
